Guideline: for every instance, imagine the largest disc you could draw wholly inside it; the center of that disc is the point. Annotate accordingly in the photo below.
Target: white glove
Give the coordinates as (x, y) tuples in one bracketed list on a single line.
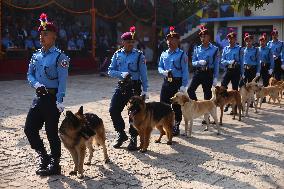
[(183, 89), (146, 94), (37, 85), (124, 74), (282, 66), (60, 107), (270, 72), (231, 61), (243, 76), (202, 62), (165, 73), (257, 74), (274, 57), (215, 82)]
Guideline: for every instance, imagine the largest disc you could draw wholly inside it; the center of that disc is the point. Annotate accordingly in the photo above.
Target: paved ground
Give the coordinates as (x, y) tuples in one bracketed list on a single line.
[(248, 154)]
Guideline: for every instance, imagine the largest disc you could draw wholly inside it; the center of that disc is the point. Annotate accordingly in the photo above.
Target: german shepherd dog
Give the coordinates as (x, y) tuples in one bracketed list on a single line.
[(78, 131), (146, 116)]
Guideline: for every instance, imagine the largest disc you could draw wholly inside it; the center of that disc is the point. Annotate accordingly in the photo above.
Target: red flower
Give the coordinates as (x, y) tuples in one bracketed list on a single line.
[(132, 29), (264, 34), (246, 34), (172, 28), (202, 27), (43, 16)]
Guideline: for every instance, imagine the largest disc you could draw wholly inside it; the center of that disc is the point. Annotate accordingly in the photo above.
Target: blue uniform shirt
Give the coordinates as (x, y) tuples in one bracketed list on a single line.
[(276, 47), (177, 62), (127, 62), (251, 57), (266, 56), (235, 53), (209, 54), (44, 68)]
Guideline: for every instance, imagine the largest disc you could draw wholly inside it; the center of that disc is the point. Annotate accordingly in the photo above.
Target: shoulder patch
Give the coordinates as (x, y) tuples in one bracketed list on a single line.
[(64, 63)]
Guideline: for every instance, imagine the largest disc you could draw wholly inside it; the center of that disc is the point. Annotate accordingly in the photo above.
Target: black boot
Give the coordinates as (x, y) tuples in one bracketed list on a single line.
[(43, 162), (264, 100), (52, 169), (122, 137), (132, 146), (176, 130)]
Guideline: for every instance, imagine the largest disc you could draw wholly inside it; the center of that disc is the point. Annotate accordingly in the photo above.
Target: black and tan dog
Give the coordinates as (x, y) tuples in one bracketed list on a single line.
[(78, 131), (146, 116)]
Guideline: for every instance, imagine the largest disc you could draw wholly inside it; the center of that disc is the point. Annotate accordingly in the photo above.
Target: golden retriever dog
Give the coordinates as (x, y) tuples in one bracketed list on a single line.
[(77, 132), (247, 91), (271, 91), (192, 109), (146, 116), (274, 82), (224, 97)]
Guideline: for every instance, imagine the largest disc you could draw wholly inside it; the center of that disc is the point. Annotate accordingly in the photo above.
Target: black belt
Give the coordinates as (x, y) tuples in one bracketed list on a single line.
[(174, 79), (249, 66), (52, 91), (233, 66), (264, 64), (204, 69)]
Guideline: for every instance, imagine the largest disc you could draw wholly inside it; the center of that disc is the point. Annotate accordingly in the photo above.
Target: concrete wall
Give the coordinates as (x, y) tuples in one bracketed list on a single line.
[(272, 9)]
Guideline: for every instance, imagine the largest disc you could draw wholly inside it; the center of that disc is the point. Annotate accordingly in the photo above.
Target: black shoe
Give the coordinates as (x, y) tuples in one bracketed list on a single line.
[(122, 137), (53, 168), (264, 100), (44, 160), (251, 105), (133, 144), (176, 130), (232, 113)]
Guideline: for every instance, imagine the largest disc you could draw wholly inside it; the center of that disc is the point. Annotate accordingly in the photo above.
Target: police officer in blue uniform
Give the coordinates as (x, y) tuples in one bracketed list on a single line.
[(47, 73), (277, 47), (251, 60), (205, 62), (127, 61), (173, 65), (232, 60), (266, 62)]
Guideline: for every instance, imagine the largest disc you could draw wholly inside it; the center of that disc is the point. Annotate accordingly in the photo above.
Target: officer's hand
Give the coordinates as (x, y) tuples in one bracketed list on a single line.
[(274, 57), (270, 72), (202, 62), (183, 89), (282, 66), (146, 94), (215, 81), (165, 73), (243, 76), (231, 61), (60, 106), (40, 89), (257, 74), (124, 74)]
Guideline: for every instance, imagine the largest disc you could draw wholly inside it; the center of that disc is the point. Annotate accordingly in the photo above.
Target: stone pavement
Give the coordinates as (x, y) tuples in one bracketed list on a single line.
[(248, 154)]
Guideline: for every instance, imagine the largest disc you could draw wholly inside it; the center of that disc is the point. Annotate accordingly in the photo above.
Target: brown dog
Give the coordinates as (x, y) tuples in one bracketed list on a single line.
[(224, 97), (78, 131), (274, 82), (247, 91), (193, 109), (145, 116), (271, 91)]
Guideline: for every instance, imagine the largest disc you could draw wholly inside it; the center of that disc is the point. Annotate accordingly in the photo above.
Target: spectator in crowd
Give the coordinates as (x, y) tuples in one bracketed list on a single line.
[(29, 44), (7, 42), (71, 44), (34, 33), (80, 43)]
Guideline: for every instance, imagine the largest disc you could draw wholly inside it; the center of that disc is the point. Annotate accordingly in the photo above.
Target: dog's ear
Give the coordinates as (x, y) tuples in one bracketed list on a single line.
[(80, 111), (69, 114)]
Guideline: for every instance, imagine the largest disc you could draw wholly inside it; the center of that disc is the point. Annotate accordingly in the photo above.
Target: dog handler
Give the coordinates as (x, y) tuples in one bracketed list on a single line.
[(47, 73), (125, 61), (173, 65), (205, 61)]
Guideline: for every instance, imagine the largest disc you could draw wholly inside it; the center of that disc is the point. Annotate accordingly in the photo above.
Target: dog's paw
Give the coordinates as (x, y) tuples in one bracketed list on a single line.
[(169, 143), (87, 163), (80, 176), (107, 161), (73, 173), (206, 129), (157, 141), (218, 134)]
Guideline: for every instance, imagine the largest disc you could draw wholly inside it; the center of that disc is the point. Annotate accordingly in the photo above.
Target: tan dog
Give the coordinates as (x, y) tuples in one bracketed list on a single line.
[(224, 97), (247, 91), (271, 91), (146, 116), (274, 82), (78, 131), (192, 109)]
